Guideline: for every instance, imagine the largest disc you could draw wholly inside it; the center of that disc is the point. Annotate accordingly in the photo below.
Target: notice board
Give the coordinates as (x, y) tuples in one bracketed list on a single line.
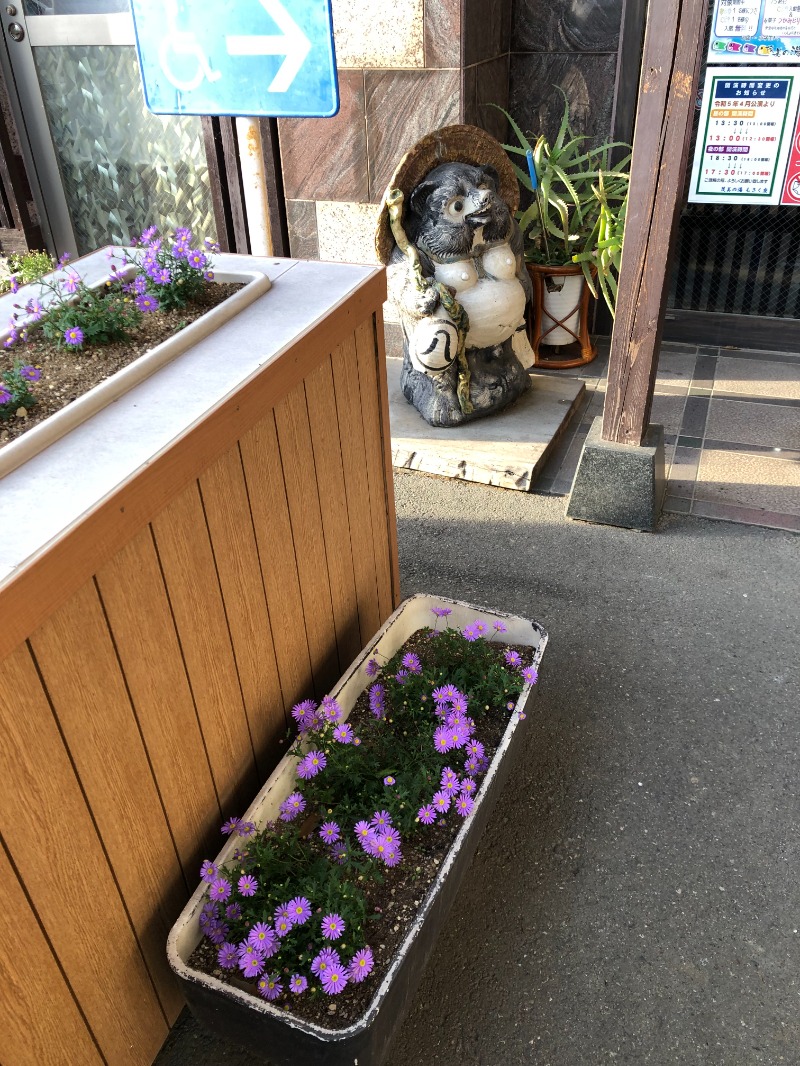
[(755, 32)]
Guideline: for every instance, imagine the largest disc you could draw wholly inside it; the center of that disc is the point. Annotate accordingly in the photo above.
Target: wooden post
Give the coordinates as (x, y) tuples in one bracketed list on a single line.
[(668, 89)]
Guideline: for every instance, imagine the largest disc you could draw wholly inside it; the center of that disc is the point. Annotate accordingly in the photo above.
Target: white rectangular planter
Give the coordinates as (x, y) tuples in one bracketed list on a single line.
[(292, 1041)]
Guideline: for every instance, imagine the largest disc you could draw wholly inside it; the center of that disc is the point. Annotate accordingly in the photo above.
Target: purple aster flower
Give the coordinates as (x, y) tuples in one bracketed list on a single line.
[(470, 633), (251, 961), (392, 856), (530, 674), (5, 395), (426, 814), (220, 890), (474, 747), (209, 275), (183, 233), (362, 830), (247, 830), (469, 786), (283, 911), (442, 612), (480, 626), (377, 700), (391, 838), (464, 804), (333, 927), (339, 852), (372, 669), (334, 979), (459, 703), (441, 739), (356, 741), (332, 710), (459, 735), (233, 912), (315, 762), (401, 676), (471, 765), (389, 780), (34, 309), (411, 662), (298, 983), (74, 336), (500, 627), (451, 786), (231, 826), (441, 801), (327, 957), (219, 933), (262, 936), (283, 926), (13, 283), (148, 234), (451, 692), (343, 733), (448, 774), (360, 965), (197, 260), (70, 284), (146, 303), (330, 832), (227, 956), (303, 712), (292, 806), (512, 657), (381, 820), (270, 986), (208, 871), (299, 910), (440, 710), (373, 845), (440, 694)]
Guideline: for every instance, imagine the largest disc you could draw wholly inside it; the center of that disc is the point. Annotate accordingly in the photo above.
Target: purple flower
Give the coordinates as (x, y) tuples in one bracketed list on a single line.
[(227, 956), (401, 676), (219, 933), (480, 626), (411, 662), (392, 856), (247, 830), (312, 764), (148, 234), (530, 674), (262, 936), (333, 927), (208, 871), (146, 303), (451, 692), (389, 780), (34, 309), (372, 668), (299, 910), (5, 395), (231, 826), (470, 633), (233, 912), (270, 986), (74, 336), (292, 806), (339, 852), (458, 734), (303, 713), (331, 709), (283, 926), (475, 748), (441, 801), (330, 832), (197, 260), (448, 774), (220, 890), (391, 838), (334, 979), (512, 657), (377, 700), (298, 983), (441, 739), (282, 911), (70, 284), (381, 820), (440, 694), (361, 965), (500, 627), (247, 885), (14, 284), (464, 804), (343, 733), (468, 786), (426, 814), (209, 275), (362, 830), (251, 961), (442, 612), (327, 957)]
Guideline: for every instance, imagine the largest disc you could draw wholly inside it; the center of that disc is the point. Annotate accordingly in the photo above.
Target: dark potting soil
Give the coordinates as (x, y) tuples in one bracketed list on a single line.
[(393, 903)]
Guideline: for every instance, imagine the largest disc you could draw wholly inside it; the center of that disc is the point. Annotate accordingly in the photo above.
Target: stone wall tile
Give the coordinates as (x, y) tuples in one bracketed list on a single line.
[(374, 33), (489, 83), (326, 158), (402, 106), (487, 29), (587, 80), (566, 25), (301, 216), (346, 232), (442, 33)]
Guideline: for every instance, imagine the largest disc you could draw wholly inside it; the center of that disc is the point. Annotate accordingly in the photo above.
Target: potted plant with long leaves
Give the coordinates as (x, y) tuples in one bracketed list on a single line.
[(573, 228)]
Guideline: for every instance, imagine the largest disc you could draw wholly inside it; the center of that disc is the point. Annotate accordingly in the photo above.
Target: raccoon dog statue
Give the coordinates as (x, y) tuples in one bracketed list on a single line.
[(468, 240)]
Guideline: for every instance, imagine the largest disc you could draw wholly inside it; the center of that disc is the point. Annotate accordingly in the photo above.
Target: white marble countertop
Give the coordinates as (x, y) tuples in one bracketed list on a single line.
[(47, 495)]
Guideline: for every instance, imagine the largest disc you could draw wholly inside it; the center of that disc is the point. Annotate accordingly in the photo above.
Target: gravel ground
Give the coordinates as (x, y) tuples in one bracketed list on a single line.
[(635, 897)]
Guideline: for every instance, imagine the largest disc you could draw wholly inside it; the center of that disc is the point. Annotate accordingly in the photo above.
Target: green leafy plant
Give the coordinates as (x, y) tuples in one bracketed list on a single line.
[(15, 389), (21, 268), (78, 314), (578, 203), (170, 270)]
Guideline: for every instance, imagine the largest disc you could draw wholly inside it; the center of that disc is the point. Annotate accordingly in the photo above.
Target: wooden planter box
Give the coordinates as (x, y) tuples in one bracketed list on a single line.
[(175, 573), (289, 1040)]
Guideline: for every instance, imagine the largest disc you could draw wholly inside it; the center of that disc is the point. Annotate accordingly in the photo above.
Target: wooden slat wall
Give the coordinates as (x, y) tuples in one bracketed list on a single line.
[(150, 701)]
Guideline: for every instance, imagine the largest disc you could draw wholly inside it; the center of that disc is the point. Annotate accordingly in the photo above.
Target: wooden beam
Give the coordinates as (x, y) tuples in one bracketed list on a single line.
[(671, 61)]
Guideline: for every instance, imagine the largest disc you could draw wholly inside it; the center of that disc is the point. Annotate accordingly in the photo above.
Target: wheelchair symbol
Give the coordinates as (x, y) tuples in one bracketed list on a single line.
[(180, 43)]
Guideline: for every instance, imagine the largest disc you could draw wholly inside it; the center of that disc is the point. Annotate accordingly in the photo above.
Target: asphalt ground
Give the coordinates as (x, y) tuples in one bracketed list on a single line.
[(635, 897)]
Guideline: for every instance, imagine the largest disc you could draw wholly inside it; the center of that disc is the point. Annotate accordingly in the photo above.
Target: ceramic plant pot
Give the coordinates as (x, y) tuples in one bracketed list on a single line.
[(289, 1040)]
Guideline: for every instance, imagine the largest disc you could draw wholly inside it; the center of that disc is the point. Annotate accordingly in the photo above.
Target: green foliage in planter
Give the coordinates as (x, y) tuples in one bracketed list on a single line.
[(80, 315), (15, 389), (579, 202), (292, 904), (170, 271), (21, 268)]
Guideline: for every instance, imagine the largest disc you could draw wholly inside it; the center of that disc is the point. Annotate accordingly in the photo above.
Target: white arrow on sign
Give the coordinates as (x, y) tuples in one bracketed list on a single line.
[(292, 43)]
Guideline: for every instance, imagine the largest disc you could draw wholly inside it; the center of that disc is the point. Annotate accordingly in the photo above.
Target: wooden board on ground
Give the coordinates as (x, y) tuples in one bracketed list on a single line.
[(508, 449)]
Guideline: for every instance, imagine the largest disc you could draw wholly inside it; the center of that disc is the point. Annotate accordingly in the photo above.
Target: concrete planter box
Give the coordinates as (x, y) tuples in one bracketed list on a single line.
[(175, 572), (290, 1040)]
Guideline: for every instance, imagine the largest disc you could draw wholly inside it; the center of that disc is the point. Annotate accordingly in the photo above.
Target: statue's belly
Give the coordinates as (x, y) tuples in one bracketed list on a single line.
[(495, 309)]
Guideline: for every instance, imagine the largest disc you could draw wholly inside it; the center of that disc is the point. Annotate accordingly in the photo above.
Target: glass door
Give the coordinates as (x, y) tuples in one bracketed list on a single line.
[(102, 167)]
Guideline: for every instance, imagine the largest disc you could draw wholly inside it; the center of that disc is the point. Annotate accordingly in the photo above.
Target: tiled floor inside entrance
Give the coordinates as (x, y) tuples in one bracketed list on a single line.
[(731, 421)]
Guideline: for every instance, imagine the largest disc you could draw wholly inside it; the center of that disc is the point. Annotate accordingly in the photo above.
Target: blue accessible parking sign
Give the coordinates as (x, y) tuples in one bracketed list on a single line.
[(237, 57)]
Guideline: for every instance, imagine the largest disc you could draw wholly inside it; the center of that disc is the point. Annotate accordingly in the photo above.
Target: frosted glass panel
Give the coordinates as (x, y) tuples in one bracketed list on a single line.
[(123, 169)]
